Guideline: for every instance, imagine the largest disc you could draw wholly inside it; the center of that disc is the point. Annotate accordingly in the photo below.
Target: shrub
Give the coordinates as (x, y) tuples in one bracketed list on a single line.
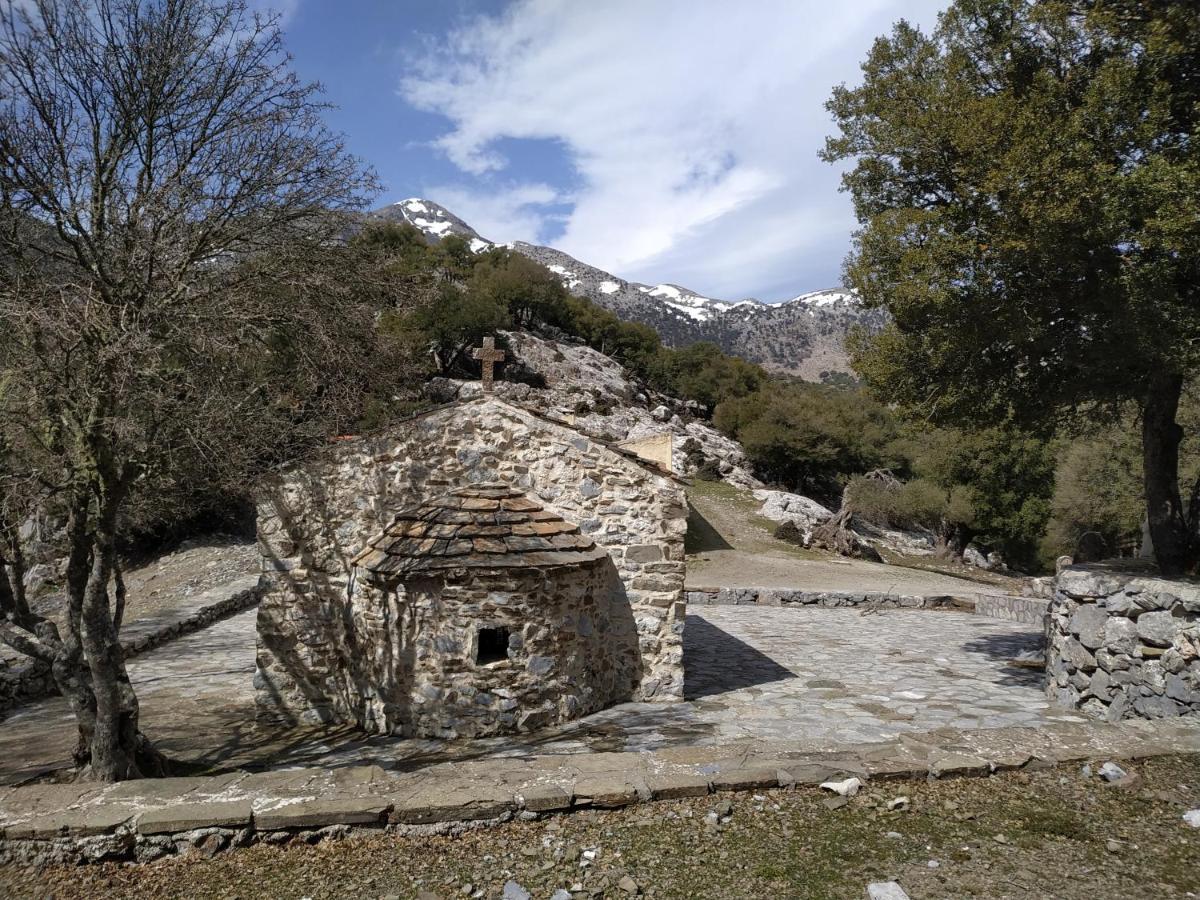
[(914, 504)]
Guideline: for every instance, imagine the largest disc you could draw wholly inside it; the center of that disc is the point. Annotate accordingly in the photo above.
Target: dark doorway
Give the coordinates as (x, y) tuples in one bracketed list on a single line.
[(492, 645)]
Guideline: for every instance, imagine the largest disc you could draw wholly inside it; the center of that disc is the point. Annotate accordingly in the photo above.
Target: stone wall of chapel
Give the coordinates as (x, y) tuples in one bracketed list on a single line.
[(319, 515)]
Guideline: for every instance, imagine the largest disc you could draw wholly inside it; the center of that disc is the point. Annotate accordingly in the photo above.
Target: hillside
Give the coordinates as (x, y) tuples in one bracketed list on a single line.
[(803, 336)]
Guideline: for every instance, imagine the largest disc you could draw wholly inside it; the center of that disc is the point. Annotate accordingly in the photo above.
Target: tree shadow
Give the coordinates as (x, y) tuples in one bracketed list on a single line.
[(701, 535), (715, 662), (1005, 646)]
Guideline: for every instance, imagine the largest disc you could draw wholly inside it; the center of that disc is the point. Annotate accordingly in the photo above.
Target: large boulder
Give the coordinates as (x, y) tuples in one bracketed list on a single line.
[(780, 506)]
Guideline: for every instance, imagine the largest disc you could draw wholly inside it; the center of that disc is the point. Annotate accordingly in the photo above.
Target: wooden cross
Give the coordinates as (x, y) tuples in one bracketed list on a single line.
[(488, 355)]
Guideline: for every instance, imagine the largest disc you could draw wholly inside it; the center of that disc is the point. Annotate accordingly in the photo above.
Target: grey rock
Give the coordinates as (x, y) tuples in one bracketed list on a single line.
[(514, 891), (1118, 708), (1157, 628), (1101, 685), (885, 890), (1120, 635), (1122, 605), (1156, 707), (1183, 689), (1077, 655), (1088, 624), (1082, 581), (973, 556)]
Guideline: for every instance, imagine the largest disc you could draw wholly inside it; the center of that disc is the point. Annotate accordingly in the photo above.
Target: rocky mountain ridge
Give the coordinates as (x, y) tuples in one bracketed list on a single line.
[(803, 336)]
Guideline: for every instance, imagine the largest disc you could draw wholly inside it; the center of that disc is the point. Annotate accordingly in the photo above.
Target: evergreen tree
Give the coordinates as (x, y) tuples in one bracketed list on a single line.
[(1028, 183)]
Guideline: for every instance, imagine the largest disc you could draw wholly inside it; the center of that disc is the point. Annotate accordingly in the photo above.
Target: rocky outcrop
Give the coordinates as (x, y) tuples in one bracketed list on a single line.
[(1123, 644), (807, 514), (594, 394), (780, 506)]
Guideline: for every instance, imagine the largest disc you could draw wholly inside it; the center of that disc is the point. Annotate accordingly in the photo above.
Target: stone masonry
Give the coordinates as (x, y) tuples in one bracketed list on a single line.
[(320, 515), (1120, 644)]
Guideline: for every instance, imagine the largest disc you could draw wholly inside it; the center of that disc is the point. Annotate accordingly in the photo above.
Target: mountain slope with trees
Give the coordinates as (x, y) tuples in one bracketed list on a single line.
[(802, 336)]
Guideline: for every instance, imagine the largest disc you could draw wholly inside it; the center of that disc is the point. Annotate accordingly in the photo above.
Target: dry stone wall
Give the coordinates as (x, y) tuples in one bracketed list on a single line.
[(319, 515), (824, 599), (1121, 645), (572, 649)]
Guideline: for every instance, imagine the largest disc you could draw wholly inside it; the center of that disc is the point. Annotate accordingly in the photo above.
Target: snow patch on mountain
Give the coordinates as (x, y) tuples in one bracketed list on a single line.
[(803, 335), (828, 299)]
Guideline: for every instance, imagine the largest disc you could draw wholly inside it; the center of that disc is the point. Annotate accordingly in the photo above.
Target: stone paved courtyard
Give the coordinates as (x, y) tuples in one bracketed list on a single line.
[(825, 676)]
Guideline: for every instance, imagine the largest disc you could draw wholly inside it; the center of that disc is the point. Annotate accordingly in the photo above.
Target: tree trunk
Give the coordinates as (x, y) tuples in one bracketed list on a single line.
[(70, 673), (1174, 545), (8, 602), (119, 750), (13, 603)]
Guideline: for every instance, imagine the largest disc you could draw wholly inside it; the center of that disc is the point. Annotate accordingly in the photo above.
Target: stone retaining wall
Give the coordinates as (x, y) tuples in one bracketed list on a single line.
[(1030, 610), (31, 680), (827, 599), (1121, 645)]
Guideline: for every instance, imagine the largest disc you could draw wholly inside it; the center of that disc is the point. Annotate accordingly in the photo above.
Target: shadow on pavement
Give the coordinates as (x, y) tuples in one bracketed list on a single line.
[(715, 662)]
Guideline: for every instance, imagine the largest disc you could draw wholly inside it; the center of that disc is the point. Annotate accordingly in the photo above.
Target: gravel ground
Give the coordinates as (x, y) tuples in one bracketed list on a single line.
[(1052, 833)]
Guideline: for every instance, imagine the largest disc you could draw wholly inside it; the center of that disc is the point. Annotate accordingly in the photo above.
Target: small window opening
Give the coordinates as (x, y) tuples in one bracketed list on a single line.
[(492, 645)]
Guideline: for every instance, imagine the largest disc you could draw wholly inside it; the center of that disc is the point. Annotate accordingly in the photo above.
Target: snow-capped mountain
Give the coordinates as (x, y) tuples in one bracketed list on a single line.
[(804, 335)]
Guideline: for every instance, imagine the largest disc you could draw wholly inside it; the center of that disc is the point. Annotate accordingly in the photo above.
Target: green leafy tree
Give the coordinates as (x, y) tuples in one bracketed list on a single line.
[(703, 373), (1098, 485), (530, 292), (1027, 179), (1098, 489), (808, 437), (998, 484)]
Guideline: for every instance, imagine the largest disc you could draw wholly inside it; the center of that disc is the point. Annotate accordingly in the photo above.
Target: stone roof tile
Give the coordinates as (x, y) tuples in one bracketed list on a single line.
[(481, 526)]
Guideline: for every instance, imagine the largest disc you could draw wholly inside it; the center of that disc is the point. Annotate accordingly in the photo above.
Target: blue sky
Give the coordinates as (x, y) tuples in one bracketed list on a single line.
[(662, 141)]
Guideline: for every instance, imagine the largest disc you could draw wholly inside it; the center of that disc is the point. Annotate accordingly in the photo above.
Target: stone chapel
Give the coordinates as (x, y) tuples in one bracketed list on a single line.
[(477, 569)]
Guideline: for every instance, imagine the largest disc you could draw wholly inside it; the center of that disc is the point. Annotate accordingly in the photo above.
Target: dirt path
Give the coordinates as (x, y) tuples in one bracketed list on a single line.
[(730, 545)]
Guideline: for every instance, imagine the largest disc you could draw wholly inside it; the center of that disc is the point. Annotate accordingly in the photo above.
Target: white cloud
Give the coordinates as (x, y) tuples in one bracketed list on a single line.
[(693, 128)]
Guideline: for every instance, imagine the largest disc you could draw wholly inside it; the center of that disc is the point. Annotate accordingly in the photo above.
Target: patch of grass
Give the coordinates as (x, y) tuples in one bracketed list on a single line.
[(717, 501), (717, 490), (1038, 822)]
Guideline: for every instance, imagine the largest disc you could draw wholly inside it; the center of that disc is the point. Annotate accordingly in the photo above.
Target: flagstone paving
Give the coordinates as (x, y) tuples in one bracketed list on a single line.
[(823, 677)]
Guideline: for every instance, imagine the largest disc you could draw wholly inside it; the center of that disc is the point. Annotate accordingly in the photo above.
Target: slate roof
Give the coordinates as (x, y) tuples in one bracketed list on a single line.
[(481, 526)]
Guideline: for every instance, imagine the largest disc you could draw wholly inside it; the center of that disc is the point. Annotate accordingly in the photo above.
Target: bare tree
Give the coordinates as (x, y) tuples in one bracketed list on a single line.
[(148, 148)]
